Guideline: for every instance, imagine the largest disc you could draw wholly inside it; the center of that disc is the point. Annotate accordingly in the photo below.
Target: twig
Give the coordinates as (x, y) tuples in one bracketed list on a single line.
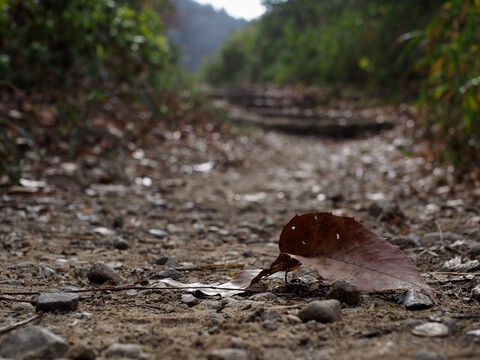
[(453, 273), (280, 307), (133, 287), (446, 281), (7, 328)]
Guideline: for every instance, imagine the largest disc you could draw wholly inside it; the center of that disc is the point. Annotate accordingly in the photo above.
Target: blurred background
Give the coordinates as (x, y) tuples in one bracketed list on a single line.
[(79, 73)]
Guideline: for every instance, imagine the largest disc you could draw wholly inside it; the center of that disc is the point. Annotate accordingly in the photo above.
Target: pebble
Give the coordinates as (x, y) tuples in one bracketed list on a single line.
[(190, 300), (324, 311), (228, 354), (269, 325), (120, 243), (62, 265), (413, 300), (270, 315), (128, 351), (166, 261), (33, 342), (292, 319), (104, 231), (63, 302), (263, 296), (23, 307), (345, 293), (168, 274), (117, 222), (431, 329), (429, 355), (81, 352), (159, 233), (100, 273), (475, 333), (46, 271)]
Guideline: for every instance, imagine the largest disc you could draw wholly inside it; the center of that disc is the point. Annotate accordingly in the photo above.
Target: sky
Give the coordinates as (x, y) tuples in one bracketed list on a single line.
[(247, 9)]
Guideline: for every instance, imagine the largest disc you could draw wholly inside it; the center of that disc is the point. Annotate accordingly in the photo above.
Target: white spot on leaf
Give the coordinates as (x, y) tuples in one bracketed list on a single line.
[(338, 236)]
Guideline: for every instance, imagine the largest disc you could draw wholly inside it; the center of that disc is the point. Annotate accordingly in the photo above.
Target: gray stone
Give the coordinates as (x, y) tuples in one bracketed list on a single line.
[(263, 296), (159, 233), (431, 329), (63, 302), (168, 274), (120, 243), (46, 271), (128, 351), (345, 293), (81, 352), (23, 307), (474, 333), (413, 300), (34, 343), (324, 311), (228, 354), (100, 273), (189, 299), (270, 315), (292, 319), (269, 326), (169, 261), (429, 355)]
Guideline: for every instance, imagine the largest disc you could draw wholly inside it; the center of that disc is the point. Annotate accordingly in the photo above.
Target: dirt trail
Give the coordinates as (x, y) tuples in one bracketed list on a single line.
[(218, 202)]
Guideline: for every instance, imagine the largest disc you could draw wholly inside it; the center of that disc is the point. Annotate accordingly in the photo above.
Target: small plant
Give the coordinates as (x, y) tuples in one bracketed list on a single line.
[(451, 93)]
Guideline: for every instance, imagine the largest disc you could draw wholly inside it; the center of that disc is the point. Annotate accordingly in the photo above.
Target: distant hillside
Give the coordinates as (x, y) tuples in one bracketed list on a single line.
[(200, 30)]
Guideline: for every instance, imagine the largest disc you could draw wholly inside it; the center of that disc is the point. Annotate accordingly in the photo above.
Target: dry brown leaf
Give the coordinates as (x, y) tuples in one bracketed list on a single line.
[(340, 248)]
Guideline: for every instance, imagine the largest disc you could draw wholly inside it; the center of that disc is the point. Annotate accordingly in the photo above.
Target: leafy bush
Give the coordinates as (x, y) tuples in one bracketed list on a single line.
[(47, 43), (235, 64), (332, 42), (79, 60), (451, 92)]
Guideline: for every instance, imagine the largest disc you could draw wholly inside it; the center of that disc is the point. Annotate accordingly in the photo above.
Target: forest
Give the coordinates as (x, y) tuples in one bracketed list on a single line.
[(423, 52)]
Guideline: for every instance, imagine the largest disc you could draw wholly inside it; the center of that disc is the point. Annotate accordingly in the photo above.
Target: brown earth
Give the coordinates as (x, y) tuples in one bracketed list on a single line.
[(222, 200)]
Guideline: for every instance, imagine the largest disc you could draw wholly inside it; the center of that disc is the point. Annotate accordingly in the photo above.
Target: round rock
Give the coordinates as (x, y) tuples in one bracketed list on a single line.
[(168, 274), (189, 299), (324, 311), (345, 293), (431, 329), (100, 273)]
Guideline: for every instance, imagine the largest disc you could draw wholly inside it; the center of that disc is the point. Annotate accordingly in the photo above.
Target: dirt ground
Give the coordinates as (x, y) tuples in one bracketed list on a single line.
[(216, 203)]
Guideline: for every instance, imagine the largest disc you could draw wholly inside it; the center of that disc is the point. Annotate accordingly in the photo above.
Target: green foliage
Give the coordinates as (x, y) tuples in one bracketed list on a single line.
[(332, 42), (75, 61), (451, 92), (235, 64), (47, 43)]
